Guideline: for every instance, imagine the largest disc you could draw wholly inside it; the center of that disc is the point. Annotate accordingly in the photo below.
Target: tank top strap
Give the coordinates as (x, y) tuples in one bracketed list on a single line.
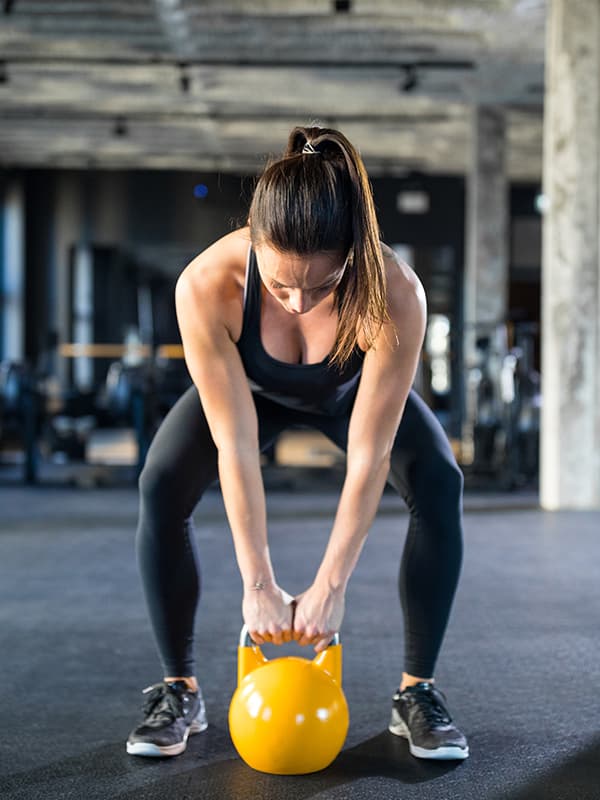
[(251, 319)]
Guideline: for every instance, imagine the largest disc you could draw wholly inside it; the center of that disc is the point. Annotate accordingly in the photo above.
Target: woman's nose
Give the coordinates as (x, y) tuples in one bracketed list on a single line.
[(297, 301)]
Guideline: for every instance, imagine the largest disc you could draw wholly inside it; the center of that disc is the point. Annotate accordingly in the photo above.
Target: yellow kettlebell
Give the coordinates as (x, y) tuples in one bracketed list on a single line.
[(288, 716)]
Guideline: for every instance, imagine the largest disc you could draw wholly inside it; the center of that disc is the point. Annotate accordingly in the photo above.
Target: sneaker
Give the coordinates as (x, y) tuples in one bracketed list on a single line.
[(420, 715), (171, 713)]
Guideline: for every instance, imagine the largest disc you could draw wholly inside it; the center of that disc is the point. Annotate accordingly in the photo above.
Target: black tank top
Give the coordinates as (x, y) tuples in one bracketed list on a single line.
[(316, 388)]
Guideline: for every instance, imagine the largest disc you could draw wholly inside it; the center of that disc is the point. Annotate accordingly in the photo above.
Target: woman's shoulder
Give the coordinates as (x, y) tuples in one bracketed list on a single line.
[(404, 289), (396, 269), (221, 267), (211, 287)]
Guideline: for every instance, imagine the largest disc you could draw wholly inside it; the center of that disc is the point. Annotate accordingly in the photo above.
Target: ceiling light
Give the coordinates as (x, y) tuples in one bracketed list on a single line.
[(120, 127), (184, 78), (411, 78)]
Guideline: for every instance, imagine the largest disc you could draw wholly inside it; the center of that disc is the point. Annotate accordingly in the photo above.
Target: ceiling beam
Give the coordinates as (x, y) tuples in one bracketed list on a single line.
[(277, 63), (81, 115)]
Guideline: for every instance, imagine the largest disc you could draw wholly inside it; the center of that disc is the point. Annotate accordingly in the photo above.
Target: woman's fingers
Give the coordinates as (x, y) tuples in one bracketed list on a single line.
[(256, 637), (277, 635), (320, 640), (308, 635), (274, 634), (323, 643)]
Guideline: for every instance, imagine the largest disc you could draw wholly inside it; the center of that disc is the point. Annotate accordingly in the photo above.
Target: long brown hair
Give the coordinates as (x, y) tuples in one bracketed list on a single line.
[(317, 198)]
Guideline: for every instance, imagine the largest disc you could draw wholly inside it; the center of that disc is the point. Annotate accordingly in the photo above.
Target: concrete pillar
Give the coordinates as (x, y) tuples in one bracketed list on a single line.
[(12, 260), (68, 221), (486, 275), (486, 240), (570, 437)]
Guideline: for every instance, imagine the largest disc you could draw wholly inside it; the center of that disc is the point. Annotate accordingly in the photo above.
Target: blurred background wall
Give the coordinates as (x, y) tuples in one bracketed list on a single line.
[(130, 136)]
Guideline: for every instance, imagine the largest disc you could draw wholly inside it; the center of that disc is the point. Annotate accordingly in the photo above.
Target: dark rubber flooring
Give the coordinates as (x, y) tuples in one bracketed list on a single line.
[(520, 665)]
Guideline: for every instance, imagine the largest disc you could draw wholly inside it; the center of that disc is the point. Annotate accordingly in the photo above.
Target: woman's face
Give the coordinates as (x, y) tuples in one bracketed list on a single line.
[(299, 283)]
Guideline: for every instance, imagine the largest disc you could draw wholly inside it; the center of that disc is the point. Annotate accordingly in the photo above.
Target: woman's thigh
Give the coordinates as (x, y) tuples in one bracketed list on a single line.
[(421, 451), (420, 446), (183, 461)]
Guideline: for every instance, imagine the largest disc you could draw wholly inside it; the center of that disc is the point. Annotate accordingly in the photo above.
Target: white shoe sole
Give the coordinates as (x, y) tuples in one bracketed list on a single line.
[(198, 725), (155, 751), (440, 754)]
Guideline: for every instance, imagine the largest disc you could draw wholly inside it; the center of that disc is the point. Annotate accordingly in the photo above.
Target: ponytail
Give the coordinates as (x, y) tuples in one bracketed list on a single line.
[(318, 198)]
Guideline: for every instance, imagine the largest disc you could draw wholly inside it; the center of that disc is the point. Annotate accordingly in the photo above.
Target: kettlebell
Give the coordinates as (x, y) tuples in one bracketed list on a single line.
[(288, 715)]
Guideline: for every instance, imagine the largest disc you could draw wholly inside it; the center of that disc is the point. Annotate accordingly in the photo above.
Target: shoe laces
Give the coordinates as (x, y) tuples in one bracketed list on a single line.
[(162, 702), (427, 699)]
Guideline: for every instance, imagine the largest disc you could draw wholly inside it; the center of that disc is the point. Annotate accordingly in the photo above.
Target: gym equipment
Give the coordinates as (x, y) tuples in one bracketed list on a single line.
[(288, 715), (20, 404), (503, 406), (141, 395), (138, 390)]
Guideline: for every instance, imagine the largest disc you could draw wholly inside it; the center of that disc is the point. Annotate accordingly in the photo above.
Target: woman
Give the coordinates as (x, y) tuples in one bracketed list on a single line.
[(301, 318)]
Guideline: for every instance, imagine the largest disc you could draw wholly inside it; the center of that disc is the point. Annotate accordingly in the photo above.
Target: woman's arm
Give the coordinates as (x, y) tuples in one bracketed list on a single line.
[(207, 301), (388, 373)]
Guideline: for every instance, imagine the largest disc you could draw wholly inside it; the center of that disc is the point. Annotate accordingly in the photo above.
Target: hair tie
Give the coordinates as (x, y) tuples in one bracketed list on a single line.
[(309, 149)]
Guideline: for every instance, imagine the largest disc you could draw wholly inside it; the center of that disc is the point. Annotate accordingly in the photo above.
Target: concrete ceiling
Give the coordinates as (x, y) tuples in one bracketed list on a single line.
[(217, 84)]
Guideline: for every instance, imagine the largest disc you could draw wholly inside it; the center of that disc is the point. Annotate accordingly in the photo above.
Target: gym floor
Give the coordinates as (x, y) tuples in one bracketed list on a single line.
[(519, 666)]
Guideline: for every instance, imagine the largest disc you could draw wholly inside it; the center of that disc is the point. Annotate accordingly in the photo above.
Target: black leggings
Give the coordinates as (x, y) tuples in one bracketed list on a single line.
[(182, 463)]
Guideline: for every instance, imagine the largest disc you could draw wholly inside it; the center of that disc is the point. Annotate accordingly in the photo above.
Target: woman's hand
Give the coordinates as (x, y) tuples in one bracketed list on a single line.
[(318, 616), (268, 612)]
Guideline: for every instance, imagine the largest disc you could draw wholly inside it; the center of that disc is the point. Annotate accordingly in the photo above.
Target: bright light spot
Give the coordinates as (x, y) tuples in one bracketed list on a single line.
[(412, 201), (438, 333), (542, 203), (254, 704), (440, 377)]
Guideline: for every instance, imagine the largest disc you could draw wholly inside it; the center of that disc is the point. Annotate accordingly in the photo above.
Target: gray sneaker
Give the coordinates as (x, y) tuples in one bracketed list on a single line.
[(171, 713), (419, 714)]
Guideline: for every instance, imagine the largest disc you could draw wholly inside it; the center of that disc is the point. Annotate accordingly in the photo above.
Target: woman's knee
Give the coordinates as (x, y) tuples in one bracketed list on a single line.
[(152, 479), (434, 488), (451, 478), (156, 483), (172, 487), (165, 487), (442, 477)]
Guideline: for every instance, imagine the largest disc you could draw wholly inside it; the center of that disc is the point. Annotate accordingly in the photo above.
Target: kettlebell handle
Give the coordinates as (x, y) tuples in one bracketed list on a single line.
[(247, 641), (250, 657)]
